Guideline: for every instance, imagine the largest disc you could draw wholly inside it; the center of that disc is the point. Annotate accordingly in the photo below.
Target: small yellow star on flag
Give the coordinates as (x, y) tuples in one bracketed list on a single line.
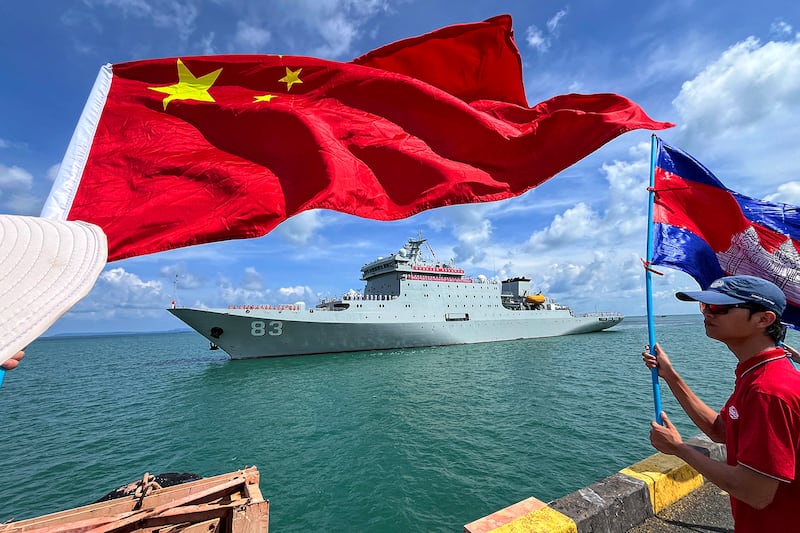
[(292, 77), (265, 97), (189, 87)]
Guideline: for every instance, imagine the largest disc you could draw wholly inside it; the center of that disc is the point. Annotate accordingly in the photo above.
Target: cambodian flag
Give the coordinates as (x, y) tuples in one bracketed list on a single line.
[(710, 231)]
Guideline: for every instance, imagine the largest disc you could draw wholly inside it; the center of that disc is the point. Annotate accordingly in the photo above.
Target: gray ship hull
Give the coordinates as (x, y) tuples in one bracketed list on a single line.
[(253, 333)]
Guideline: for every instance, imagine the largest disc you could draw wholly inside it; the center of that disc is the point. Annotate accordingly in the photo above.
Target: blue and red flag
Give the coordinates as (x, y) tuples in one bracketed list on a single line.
[(710, 231)]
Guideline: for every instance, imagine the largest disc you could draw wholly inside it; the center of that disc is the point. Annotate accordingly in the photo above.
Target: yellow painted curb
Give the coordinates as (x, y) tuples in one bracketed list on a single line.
[(529, 515), (668, 478), (544, 520)]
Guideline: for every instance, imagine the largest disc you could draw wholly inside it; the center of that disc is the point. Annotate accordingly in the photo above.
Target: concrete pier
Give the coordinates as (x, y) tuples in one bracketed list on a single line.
[(616, 504), (705, 510)]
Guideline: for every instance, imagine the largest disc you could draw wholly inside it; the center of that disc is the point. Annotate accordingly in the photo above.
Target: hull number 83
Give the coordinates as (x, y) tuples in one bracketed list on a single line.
[(259, 328)]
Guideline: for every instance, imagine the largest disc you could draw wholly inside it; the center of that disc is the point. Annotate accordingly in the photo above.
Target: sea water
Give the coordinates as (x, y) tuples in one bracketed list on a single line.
[(399, 440)]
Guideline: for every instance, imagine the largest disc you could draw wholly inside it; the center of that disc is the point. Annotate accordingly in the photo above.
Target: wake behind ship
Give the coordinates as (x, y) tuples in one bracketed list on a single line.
[(408, 302)]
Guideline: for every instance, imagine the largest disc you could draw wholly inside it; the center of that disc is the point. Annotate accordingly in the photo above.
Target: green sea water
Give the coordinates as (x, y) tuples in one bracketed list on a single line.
[(405, 440)]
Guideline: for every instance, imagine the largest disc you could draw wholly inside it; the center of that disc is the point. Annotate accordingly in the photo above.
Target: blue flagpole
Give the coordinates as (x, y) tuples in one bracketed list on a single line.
[(648, 277)]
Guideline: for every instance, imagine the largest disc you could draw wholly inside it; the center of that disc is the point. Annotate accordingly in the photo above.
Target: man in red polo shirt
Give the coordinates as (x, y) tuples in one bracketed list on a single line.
[(760, 423)]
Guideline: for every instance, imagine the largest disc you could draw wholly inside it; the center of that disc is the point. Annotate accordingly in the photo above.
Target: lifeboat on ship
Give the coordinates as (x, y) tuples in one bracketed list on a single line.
[(536, 299)]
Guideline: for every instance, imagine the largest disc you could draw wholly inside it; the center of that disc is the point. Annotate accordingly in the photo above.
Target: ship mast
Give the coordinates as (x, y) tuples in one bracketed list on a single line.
[(414, 246), (175, 292)]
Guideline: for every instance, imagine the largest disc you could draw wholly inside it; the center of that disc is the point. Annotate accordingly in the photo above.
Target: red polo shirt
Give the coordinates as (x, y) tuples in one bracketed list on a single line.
[(762, 432)]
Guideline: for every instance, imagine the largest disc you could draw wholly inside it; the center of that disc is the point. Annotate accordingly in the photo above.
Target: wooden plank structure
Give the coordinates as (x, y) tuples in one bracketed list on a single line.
[(228, 503)]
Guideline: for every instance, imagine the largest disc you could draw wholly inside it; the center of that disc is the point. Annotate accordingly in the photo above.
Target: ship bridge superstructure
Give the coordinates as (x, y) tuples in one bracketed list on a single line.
[(385, 275)]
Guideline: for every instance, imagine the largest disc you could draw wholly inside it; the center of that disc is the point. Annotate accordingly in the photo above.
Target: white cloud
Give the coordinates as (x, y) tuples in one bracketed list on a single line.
[(119, 294), (748, 85), (627, 193), (250, 38), (170, 14), (338, 23), (22, 203), (241, 296), (13, 145), (299, 292), (741, 110), (252, 280), (181, 279), (15, 178), (126, 289), (780, 28), (352, 293), (472, 239), (470, 224), (536, 39), (592, 275), (16, 184), (578, 222), (788, 193), (238, 294), (178, 15), (338, 32), (300, 229), (207, 44), (52, 172), (553, 23), (541, 41), (135, 8), (666, 62)]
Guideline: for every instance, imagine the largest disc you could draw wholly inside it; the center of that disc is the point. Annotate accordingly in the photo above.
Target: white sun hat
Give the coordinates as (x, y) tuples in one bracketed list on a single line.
[(46, 267)]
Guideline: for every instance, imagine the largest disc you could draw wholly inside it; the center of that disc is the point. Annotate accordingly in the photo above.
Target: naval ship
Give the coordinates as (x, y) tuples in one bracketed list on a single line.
[(409, 301)]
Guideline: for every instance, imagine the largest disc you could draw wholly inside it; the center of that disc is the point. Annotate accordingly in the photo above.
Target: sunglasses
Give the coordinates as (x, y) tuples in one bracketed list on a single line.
[(719, 309)]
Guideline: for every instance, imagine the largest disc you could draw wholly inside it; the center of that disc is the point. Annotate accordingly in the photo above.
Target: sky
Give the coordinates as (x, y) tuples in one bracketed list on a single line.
[(726, 73)]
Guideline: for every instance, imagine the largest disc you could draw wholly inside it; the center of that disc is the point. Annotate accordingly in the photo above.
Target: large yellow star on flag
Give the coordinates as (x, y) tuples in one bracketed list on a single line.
[(292, 77), (189, 87)]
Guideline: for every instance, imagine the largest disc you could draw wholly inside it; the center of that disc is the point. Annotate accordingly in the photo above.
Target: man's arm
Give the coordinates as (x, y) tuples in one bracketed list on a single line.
[(705, 418), (744, 484)]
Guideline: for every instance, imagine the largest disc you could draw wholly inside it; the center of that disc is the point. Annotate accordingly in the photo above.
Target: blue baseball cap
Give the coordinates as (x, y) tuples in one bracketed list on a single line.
[(738, 290)]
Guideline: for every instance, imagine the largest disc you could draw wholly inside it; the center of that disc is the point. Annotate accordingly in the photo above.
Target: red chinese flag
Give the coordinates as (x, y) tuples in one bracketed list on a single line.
[(182, 151), (477, 61)]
